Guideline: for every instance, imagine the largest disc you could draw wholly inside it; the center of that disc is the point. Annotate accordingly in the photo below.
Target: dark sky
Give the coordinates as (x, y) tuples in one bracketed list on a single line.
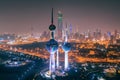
[(18, 16)]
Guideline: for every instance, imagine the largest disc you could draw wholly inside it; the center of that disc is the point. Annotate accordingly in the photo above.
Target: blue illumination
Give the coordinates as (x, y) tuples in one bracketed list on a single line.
[(52, 45), (66, 46)]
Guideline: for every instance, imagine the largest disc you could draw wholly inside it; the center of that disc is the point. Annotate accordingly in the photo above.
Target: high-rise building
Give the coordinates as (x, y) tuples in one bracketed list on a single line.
[(70, 31), (60, 25), (115, 34), (97, 34), (32, 33)]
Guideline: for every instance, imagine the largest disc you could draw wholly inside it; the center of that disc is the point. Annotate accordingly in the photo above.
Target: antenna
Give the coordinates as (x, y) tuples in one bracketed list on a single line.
[(52, 16)]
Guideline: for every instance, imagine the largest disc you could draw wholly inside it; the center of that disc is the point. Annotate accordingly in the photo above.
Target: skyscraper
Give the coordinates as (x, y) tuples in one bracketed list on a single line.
[(115, 33), (60, 25)]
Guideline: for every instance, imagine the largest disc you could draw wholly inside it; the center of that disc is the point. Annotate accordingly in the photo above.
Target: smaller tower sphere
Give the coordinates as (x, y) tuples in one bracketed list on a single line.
[(66, 46)]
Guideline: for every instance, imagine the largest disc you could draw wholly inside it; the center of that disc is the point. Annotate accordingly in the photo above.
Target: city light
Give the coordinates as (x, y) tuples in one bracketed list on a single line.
[(82, 41)]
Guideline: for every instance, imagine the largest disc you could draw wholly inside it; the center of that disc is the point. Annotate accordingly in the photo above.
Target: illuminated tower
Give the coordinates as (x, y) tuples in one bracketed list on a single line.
[(60, 25), (52, 46), (66, 47)]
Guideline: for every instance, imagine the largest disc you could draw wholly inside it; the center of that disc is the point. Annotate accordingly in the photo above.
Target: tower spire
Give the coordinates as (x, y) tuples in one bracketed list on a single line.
[(52, 17)]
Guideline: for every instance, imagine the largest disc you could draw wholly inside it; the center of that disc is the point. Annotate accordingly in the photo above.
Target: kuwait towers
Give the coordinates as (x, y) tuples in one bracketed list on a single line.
[(52, 46)]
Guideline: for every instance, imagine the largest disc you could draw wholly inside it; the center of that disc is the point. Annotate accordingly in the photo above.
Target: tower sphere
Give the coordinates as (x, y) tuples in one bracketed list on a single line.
[(52, 45), (66, 46)]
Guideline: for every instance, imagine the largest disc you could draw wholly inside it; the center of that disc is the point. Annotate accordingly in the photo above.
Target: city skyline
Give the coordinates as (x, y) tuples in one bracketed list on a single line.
[(20, 16), (59, 40)]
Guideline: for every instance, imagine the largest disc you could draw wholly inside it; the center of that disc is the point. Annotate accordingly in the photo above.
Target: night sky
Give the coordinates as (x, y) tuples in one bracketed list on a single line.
[(18, 16)]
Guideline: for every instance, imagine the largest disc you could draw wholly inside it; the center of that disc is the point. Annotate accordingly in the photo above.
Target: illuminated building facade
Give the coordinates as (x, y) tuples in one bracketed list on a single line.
[(60, 25)]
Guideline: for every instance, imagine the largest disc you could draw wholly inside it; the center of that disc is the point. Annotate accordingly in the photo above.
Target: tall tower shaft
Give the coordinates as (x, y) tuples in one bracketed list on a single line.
[(57, 61)]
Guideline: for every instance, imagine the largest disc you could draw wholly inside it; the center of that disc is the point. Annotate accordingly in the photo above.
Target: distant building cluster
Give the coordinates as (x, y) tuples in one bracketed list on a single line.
[(94, 35), (5, 38)]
